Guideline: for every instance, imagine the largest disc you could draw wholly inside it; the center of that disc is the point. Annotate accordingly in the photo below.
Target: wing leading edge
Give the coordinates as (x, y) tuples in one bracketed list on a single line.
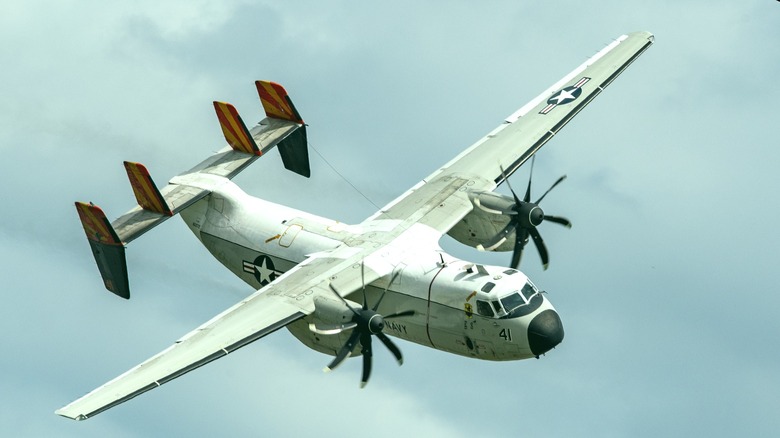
[(288, 299), (524, 132), (248, 321)]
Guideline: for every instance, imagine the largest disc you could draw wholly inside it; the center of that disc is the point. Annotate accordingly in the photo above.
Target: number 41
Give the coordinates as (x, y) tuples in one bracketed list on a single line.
[(506, 334)]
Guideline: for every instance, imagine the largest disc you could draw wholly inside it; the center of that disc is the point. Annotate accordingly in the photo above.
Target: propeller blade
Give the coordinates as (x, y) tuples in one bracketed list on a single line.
[(527, 197), (503, 175), (363, 283), (560, 180), (541, 247), (367, 353), (381, 297), (400, 314), (558, 220), (521, 238), (331, 329), (392, 347), (344, 352), (343, 300)]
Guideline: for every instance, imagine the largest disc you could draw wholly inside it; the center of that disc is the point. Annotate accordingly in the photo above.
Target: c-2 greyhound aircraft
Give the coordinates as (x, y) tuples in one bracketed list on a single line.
[(336, 286)]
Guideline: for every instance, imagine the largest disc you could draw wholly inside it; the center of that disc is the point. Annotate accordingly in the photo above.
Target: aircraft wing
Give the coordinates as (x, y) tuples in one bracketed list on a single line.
[(512, 143), (287, 299)]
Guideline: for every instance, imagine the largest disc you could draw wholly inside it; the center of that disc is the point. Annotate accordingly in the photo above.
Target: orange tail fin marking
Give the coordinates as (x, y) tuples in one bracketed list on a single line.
[(276, 102), (146, 193), (95, 224), (234, 129)]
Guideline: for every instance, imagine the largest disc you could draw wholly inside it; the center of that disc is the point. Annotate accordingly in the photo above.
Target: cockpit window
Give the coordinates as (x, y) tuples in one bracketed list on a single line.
[(497, 306), (488, 286), (510, 271), (528, 291), (512, 302), (483, 308)]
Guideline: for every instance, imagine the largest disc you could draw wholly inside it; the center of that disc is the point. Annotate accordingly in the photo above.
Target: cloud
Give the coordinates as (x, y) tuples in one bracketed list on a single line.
[(664, 282)]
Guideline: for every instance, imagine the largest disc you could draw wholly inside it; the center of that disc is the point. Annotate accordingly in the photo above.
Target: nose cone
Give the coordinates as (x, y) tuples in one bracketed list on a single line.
[(545, 332)]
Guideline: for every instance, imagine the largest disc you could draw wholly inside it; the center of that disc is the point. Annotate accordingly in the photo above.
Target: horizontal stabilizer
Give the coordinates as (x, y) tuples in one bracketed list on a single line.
[(146, 192), (108, 250), (234, 129)]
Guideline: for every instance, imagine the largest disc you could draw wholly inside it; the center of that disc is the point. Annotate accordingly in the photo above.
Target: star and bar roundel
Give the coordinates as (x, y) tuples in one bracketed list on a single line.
[(564, 96), (262, 268)]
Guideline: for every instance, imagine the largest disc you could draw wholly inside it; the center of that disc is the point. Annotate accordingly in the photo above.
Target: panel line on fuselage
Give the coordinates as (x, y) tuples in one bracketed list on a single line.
[(428, 316), (251, 249)]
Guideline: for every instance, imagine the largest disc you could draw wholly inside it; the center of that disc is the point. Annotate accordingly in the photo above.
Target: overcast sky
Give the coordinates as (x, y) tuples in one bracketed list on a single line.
[(666, 284)]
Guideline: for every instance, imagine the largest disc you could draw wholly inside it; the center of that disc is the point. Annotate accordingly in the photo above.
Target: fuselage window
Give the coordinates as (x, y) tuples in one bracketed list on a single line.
[(483, 308)]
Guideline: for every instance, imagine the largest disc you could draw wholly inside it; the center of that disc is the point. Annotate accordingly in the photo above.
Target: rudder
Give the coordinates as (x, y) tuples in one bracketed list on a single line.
[(294, 149), (107, 248)]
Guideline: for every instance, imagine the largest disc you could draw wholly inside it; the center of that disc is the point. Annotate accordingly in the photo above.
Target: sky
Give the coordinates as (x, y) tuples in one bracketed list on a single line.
[(666, 284)]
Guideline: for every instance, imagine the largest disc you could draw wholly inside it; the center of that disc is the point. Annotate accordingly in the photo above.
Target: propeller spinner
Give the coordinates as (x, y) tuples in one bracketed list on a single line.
[(365, 323), (526, 216)]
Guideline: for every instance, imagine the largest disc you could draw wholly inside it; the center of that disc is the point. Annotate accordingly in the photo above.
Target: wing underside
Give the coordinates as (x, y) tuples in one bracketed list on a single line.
[(486, 163), (288, 299), (528, 129), (240, 325)]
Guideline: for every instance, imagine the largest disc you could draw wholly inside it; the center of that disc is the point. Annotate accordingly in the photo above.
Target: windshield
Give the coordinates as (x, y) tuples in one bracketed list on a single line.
[(521, 298), (512, 302), (528, 291)]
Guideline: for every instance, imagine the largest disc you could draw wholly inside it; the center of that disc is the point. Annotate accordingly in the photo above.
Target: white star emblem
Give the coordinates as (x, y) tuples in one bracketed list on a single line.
[(266, 273), (564, 96)]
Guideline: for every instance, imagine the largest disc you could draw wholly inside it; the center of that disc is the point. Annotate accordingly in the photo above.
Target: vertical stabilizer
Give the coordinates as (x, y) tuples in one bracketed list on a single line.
[(277, 105), (234, 129), (108, 250), (144, 189)]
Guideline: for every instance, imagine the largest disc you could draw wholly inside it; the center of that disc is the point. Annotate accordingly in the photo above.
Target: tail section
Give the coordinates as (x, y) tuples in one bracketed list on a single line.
[(282, 128), (108, 250)]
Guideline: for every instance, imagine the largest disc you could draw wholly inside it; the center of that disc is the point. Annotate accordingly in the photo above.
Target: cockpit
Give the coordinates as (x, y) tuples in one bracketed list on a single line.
[(507, 297)]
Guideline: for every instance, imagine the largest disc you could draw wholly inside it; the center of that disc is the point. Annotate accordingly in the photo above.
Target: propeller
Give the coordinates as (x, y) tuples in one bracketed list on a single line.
[(526, 216), (366, 322)]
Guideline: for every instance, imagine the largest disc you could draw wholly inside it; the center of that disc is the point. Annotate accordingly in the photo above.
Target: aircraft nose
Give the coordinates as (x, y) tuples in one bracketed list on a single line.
[(545, 332)]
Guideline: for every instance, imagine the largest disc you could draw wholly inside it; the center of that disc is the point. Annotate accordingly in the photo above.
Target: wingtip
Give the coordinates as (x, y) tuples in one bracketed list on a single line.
[(61, 413)]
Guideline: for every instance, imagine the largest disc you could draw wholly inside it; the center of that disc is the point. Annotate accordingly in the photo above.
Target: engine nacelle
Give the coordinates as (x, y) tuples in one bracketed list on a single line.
[(491, 213), (327, 311)]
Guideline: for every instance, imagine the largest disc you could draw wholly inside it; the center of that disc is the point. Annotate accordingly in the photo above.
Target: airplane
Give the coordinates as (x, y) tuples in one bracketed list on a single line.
[(336, 286)]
